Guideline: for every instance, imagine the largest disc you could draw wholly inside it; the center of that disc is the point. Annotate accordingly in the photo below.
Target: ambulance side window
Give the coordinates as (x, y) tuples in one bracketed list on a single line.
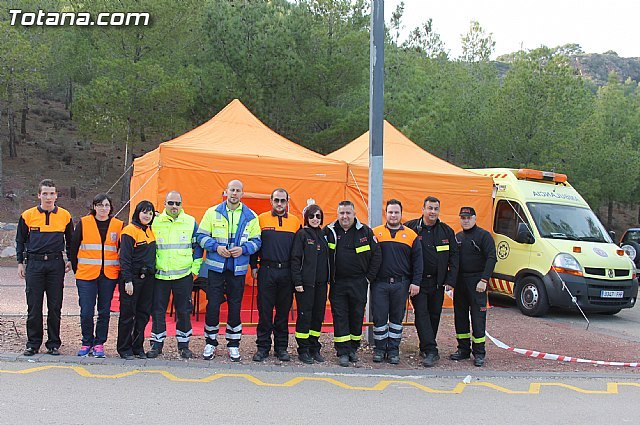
[(509, 215)]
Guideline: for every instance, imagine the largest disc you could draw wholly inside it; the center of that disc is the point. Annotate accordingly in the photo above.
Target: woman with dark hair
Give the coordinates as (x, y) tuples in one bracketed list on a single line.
[(310, 272), (94, 259), (137, 266)]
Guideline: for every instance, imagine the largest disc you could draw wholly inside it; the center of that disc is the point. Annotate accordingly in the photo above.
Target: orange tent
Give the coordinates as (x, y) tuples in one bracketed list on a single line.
[(235, 144), (410, 175)]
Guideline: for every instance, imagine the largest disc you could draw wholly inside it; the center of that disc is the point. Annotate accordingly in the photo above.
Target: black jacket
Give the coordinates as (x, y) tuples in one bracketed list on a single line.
[(137, 251), (304, 256), (448, 258), (366, 246), (477, 252)]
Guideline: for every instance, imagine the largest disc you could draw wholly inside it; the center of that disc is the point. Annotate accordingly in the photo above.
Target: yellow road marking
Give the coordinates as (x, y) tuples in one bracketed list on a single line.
[(534, 387)]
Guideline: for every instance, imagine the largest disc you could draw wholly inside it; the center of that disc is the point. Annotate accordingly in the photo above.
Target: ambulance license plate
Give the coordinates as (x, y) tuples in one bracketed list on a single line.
[(612, 294)]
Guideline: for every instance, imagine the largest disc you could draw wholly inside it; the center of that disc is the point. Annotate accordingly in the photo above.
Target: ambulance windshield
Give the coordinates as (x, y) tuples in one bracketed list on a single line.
[(567, 222)]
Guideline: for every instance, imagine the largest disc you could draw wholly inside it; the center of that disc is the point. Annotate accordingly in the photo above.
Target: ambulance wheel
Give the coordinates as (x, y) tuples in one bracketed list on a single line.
[(531, 297)]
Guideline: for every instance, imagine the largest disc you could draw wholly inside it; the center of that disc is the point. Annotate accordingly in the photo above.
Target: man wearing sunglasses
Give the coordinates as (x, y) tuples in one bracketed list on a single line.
[(275, 286), (178, 257), (477, 261)]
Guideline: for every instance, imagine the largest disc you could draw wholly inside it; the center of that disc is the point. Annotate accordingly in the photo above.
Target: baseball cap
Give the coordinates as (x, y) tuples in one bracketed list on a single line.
[(467, 212)]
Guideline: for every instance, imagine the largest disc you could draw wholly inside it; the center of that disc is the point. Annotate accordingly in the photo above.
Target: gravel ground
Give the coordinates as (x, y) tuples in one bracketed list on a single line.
[(504, 323)]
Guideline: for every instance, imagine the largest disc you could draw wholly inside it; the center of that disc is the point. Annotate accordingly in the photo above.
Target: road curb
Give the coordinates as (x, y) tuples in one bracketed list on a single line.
[(250, 367)]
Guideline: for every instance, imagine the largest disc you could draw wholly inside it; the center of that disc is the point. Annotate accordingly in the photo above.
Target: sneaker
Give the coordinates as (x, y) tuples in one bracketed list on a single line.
[(460, 355), (209, 352), (141, 355), (234, 354), (185, 353), (305, 358), (154, 352), (378, 356), (84, 351), (98, 351), (317, 357), (128, 356), (343, 360), (29, 351), (394, 359), (283, 356), (260, 355), (353, 357), (53, 351), (430, 360)]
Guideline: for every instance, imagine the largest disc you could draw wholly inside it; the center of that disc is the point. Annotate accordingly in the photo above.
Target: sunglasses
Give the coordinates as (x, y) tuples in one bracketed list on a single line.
[(172, 203), (279, 201), (316, 215)]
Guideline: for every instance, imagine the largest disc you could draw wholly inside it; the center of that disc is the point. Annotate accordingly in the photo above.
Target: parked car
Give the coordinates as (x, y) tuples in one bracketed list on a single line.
[(630, 243)]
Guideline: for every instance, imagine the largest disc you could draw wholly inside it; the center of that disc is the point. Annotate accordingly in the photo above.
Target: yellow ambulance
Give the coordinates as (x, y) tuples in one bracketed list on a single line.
[(552, 249)]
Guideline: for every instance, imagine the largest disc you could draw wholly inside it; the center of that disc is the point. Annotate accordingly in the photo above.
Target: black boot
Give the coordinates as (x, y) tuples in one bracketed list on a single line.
[(460, 355), (260, 355), (343, 360), (378, 356), (156, 350), (305, 358), (478, 360), (430, 360), (283, 356), (317, 356)]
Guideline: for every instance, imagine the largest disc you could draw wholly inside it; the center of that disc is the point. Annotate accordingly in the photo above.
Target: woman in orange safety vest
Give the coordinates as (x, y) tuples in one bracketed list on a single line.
[(94, 258)]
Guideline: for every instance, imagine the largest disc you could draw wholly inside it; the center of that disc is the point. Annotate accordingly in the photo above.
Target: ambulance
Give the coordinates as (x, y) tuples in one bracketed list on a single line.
[(552, 249)]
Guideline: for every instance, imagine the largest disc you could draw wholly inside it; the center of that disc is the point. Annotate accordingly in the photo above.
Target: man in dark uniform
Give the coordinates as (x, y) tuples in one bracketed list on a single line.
[(275, 287), (440, 258), (355, 258), (43, 233), (477, 261), (400, 275)]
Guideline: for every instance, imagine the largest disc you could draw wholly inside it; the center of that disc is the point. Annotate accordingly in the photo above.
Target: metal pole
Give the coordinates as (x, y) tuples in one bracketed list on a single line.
[(376, 116)]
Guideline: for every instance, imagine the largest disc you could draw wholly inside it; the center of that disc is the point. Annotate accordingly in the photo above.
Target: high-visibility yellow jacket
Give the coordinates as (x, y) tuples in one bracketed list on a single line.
[(177, 253), (217, 229)]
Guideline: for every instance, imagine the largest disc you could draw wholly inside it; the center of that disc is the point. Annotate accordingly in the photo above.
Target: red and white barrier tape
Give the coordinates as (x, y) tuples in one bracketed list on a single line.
[(549, 356)]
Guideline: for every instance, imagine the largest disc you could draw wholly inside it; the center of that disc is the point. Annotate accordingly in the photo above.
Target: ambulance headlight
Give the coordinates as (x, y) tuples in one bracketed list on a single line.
[(567, 263)]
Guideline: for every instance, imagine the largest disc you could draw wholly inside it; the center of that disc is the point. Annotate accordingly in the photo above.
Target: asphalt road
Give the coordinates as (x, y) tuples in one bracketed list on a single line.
[(625, 324), (12, 297), (123, 394)]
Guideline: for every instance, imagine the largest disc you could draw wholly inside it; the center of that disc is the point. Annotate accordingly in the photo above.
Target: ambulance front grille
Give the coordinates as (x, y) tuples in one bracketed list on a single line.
[(597, 271), (609, 302)]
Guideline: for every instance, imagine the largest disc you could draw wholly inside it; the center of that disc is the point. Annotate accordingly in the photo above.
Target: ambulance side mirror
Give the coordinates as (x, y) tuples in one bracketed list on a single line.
[(524, 234)]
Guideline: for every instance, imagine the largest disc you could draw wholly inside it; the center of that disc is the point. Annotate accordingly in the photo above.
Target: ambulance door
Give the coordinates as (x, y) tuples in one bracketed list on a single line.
[(512, 256)]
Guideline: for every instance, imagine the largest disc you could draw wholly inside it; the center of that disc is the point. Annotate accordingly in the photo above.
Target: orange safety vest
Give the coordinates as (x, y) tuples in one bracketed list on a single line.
[(93, 254), (404, 235)]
